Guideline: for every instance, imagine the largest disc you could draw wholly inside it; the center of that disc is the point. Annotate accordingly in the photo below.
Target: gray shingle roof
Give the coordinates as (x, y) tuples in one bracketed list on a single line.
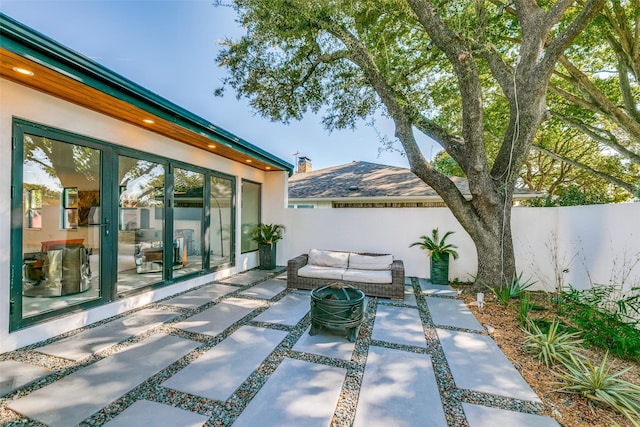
[(364, 179), (361, 179)]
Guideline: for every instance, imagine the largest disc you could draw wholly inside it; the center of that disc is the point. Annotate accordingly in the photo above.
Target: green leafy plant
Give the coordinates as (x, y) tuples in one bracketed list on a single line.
[(553, 345), (436, 246), (506, 291), (267, 233), (606, 318), (524, 308), (602, 387)]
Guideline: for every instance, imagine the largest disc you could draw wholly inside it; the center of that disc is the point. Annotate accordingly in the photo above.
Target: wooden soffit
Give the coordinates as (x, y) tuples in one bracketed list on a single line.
[(73, 88)]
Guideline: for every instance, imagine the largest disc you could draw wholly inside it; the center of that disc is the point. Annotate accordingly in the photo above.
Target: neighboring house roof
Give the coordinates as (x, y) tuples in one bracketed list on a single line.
[(66, 74), (371, 181)]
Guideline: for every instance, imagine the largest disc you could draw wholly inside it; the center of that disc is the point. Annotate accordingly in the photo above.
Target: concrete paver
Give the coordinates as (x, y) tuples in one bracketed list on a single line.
[(297, 394), (429, 288), (409, 296), (398, 325), (221, 370), (265, 290), (216, 319), (478, 364), (145, 413), (75, 397), (398, 386), (481, 416), (399, 389), (288, 311), (329, 343), (452, 312), (90, 341), (200, 296), (14, 374), (247, 277)]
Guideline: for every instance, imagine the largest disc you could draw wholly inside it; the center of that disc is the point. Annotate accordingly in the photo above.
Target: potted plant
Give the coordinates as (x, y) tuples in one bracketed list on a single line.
[(439, 251), (267, 235)]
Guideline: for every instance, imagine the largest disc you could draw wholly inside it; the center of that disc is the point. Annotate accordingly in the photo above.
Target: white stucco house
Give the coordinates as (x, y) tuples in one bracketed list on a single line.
[(113, 197)]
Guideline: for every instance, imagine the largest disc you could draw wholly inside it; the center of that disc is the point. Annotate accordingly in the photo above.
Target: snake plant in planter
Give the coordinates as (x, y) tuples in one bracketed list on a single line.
[(439, 251), (267, 235)]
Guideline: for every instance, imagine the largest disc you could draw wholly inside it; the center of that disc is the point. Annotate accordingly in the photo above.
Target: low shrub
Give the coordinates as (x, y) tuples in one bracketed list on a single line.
[(506, 291), (553, 345), (602, 387)]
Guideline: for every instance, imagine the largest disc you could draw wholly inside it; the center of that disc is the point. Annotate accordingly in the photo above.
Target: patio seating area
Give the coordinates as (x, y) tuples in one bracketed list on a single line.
[(238, 352)]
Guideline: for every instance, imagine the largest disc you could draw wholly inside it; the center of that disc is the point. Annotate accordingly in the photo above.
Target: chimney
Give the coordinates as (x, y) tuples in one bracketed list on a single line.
[(304, 164)]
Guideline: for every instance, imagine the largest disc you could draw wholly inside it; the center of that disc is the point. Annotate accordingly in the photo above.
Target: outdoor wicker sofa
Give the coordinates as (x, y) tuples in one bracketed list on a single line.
[(374, 274)]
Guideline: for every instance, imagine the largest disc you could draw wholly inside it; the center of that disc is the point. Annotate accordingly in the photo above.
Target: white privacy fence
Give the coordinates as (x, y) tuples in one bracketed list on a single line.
[(578, 245)]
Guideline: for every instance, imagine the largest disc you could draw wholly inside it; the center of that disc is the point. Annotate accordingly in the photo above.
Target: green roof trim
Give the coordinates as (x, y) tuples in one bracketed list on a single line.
[(34, 46)]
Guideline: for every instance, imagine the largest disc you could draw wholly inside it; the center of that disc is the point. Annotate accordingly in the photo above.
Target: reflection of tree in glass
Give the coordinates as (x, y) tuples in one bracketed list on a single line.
[(52, 158), (141, 182), (188, 188), (186, 180), (221, 189), (46, 196)]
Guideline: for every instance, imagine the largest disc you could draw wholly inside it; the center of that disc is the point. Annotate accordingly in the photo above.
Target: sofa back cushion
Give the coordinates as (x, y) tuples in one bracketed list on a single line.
[(329, 258), (370, 262)]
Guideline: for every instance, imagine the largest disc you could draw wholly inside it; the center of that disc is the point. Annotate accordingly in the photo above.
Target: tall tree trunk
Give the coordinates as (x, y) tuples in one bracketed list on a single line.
[(494, 246)]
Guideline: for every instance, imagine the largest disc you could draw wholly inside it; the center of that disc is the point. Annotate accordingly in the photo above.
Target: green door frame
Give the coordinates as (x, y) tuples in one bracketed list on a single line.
[(108, 218), (106, 278)]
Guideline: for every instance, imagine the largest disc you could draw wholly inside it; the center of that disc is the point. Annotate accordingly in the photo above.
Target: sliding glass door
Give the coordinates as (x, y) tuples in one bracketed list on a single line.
[(58, 223), (221, 221), (188, 221), (140, 223), (92, 222)]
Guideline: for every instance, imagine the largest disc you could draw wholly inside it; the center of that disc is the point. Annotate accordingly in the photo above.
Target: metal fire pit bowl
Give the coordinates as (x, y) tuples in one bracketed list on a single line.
[(337, 306)]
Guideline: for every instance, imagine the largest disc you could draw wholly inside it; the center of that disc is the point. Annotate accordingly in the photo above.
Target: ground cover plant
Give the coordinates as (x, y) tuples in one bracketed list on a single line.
[(606, 317)]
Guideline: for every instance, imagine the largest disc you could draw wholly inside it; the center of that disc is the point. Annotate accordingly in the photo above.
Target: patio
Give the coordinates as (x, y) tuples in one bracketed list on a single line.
[(238, 352)]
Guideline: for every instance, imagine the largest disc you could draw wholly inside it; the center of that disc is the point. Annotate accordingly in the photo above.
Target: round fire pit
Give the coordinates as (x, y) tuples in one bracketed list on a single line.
[(337, 306)]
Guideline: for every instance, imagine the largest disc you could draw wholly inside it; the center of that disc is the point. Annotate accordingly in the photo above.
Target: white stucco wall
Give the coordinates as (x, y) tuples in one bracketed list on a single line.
[(21, 102), (595, 244)]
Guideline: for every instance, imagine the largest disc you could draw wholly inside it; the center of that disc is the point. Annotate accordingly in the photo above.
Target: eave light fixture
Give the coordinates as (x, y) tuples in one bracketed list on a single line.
[(249, 161), (23, 71), (148, 121), (211, 146)]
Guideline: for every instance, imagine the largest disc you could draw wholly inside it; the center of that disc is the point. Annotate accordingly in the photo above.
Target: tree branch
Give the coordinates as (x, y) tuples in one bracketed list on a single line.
[(601, 101), (559, 44), (631, 188), (499, 69), (599, 135), (459, 55), (403, 118)]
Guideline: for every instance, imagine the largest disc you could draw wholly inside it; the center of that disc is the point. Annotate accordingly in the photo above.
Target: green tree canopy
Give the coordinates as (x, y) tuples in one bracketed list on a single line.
[(431, 67)]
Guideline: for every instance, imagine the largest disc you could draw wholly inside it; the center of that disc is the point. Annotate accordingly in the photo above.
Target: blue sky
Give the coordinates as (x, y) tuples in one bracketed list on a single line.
[(169, 47)]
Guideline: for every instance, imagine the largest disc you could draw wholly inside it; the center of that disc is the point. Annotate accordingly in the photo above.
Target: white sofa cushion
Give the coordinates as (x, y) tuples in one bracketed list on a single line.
[(319, 272), (370, 262), (367, 276), (333, 259)]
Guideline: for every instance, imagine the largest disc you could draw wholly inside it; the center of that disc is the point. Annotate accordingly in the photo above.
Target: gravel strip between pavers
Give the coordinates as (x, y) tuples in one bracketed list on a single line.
[(225, 413)]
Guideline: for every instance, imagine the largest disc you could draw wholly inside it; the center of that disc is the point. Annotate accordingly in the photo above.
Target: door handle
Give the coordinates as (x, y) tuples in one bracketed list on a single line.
[(105, 225)]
